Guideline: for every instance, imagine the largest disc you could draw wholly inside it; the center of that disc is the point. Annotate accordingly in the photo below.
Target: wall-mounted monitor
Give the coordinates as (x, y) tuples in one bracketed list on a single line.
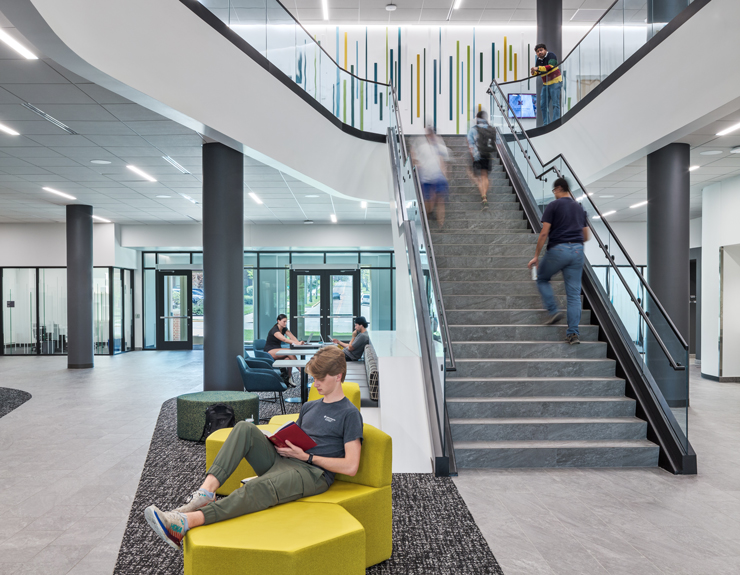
[(523, 105)]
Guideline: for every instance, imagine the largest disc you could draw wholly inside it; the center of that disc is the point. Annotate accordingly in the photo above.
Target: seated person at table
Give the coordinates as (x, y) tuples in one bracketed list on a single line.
[(360, 338), (280, 333), (284, 474)]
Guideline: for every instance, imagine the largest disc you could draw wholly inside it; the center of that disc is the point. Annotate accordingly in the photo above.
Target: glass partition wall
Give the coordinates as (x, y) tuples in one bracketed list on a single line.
[(267, 287), (34, 311)]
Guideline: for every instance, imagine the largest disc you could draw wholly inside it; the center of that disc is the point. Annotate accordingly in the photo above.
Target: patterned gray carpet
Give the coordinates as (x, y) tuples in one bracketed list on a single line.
[(11, 399), (433, 531)]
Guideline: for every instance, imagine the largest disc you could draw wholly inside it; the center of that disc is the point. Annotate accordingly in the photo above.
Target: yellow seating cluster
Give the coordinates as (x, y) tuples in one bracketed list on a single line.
[(342, 531)]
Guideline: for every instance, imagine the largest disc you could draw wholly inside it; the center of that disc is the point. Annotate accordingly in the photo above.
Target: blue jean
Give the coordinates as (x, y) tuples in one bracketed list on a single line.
[(567, 258), (550, 94)]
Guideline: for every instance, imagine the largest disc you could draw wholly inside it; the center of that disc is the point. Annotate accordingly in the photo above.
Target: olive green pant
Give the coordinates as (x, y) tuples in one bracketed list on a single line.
[(280, 479)]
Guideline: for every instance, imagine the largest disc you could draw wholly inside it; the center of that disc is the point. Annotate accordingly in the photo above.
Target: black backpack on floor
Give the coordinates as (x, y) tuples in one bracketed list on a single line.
[(218, 416)]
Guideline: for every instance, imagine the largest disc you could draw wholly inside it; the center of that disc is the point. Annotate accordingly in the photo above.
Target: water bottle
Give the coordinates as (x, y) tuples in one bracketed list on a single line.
[(534, 273), (249, 420)]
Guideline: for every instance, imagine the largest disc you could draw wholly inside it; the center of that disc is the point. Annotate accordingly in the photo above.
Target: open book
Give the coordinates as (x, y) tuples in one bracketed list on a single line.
[(291, 432)]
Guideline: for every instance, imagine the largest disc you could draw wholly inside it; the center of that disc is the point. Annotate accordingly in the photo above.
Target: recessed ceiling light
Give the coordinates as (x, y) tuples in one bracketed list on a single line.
[(363, 205), (312, 196), (307, 222), (457, 4), (98, 218), (175, 164), (17, 46), (735, 150), (604, 215), (99, 162), (711, 153), (391, 7), (142, 173), (692, 168), (581, 198), (49, 118), (58, 193), (639, 204), (164, 196), (728, 130), (12, 132), (333, 218), (188, 198), (255, 198), (325, 8)]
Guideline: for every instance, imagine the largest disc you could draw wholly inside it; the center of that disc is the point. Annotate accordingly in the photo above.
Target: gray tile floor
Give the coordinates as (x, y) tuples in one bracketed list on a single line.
[(622, 521), (70, 461), (71, 457)]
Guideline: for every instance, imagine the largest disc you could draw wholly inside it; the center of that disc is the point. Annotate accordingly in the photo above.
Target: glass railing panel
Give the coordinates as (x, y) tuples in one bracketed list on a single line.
[(248, 18), (281, 38), (611, 39), (635, 26), (570, 70), (589, 75)]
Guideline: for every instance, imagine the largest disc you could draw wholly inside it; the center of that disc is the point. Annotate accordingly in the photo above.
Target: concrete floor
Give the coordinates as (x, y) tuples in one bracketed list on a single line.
[(636, 522), (71, 457)]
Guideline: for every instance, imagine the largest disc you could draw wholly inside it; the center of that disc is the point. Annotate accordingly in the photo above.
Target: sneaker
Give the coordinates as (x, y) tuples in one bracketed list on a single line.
[(572, 339), (296, 378), (197, 500), (484, 201), (555, 318), (169, 525)]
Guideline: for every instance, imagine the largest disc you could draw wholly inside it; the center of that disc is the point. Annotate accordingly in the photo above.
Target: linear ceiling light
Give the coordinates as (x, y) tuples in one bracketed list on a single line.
[(333, 218), (49, 118), (175, 164), (255, 198), (692, 168), (728, 130), (143, 174), (325, 7), (17, 46), (457, 4), (98, 218), (363, 205), (58, 193), (4, 128), (639, 204), (604, 215), (188, 198)]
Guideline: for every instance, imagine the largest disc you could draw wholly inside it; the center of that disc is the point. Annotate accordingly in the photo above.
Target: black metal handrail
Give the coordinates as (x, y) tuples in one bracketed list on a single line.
[(674, 364)]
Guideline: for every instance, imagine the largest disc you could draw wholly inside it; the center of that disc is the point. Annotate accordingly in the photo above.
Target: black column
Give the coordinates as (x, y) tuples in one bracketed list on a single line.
[(662, 12), (668, 262), (223, 262), (549, 33), (80, 350)]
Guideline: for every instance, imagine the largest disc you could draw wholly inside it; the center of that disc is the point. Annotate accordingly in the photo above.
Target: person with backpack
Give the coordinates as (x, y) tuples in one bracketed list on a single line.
[(565, 229), (546, 65), (482, 144), (283, 473)]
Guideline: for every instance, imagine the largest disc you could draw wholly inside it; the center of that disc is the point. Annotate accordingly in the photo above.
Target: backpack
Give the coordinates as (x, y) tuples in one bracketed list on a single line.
[(218, 416), (486, 141)]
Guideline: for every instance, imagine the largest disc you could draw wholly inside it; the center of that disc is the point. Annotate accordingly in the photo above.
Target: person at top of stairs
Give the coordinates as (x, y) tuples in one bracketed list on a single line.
[(565, 229), (482, 144), (430, 155)]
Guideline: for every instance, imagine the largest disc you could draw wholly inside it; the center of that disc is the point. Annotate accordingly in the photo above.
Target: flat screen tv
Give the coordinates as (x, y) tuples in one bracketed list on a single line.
[(523, 105)]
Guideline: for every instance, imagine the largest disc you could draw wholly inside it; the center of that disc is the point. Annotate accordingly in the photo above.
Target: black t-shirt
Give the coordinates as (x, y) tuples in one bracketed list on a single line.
[(272, 342), (567, 219)]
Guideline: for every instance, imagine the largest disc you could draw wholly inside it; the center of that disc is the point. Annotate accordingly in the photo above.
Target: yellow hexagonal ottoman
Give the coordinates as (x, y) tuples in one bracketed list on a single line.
[(305, 538)]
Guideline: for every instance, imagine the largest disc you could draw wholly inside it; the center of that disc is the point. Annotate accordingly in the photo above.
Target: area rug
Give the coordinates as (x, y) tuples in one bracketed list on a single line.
[(433, 531), (11, 399)]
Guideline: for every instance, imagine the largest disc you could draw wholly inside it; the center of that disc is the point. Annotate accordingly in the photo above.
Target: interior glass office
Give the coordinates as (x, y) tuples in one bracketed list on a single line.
[(34, 311), (267, 288)]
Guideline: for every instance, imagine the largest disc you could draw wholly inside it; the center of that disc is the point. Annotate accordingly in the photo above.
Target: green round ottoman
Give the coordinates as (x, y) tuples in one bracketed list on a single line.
[(191, 409)]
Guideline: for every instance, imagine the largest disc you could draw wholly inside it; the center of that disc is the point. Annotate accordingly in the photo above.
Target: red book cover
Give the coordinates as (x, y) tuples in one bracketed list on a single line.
[(291, 432)]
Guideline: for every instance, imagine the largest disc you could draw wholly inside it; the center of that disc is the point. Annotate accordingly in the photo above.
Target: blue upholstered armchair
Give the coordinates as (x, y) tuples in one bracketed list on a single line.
[(258, 346), (259, 376)]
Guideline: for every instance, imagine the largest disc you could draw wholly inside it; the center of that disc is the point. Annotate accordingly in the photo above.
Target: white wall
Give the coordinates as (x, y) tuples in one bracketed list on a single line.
[(731, 312), (720, 206), (652, 104)]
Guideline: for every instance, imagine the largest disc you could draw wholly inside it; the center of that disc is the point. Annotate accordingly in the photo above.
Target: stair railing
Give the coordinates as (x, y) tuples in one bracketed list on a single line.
[(663, 343)]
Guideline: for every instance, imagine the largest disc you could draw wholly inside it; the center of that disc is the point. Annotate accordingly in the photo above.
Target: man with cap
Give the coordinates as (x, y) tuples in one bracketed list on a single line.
[(356, 347)]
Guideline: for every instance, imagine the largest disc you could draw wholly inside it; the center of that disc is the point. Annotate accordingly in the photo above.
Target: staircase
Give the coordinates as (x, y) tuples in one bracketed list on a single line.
[(521, 396)]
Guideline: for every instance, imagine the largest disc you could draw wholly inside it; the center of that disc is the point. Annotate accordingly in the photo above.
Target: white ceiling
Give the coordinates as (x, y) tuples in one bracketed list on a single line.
[(484, 12), (628, 186), (114, 129)]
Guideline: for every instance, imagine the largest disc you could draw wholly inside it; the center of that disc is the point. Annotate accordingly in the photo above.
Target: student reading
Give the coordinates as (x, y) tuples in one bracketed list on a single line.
[(284, 474)]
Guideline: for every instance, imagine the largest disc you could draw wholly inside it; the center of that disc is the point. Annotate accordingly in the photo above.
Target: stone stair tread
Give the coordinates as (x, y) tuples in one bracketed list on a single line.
[(523, 379), (547, 420), (522, 341), (553, 444), (540, 399)]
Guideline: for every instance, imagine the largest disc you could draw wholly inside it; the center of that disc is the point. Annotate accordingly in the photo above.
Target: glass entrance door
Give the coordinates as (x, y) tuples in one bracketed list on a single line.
[(174, 310), (323, 303)]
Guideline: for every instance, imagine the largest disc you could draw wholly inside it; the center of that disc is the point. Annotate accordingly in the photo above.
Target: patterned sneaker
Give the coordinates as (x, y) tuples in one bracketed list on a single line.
[(197, 500), (169, 525), (296, 378), (573, 339)]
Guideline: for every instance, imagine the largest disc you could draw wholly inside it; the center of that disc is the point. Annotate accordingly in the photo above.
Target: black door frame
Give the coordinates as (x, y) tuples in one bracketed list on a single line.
[(326, 295), (174, 345)]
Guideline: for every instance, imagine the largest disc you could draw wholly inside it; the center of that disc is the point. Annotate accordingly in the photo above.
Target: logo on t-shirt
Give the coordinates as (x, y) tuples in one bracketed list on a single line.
[(329, 419)]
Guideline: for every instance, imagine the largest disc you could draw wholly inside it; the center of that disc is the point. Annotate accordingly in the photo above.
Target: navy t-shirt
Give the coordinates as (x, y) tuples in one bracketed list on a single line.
[(567, 219)]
